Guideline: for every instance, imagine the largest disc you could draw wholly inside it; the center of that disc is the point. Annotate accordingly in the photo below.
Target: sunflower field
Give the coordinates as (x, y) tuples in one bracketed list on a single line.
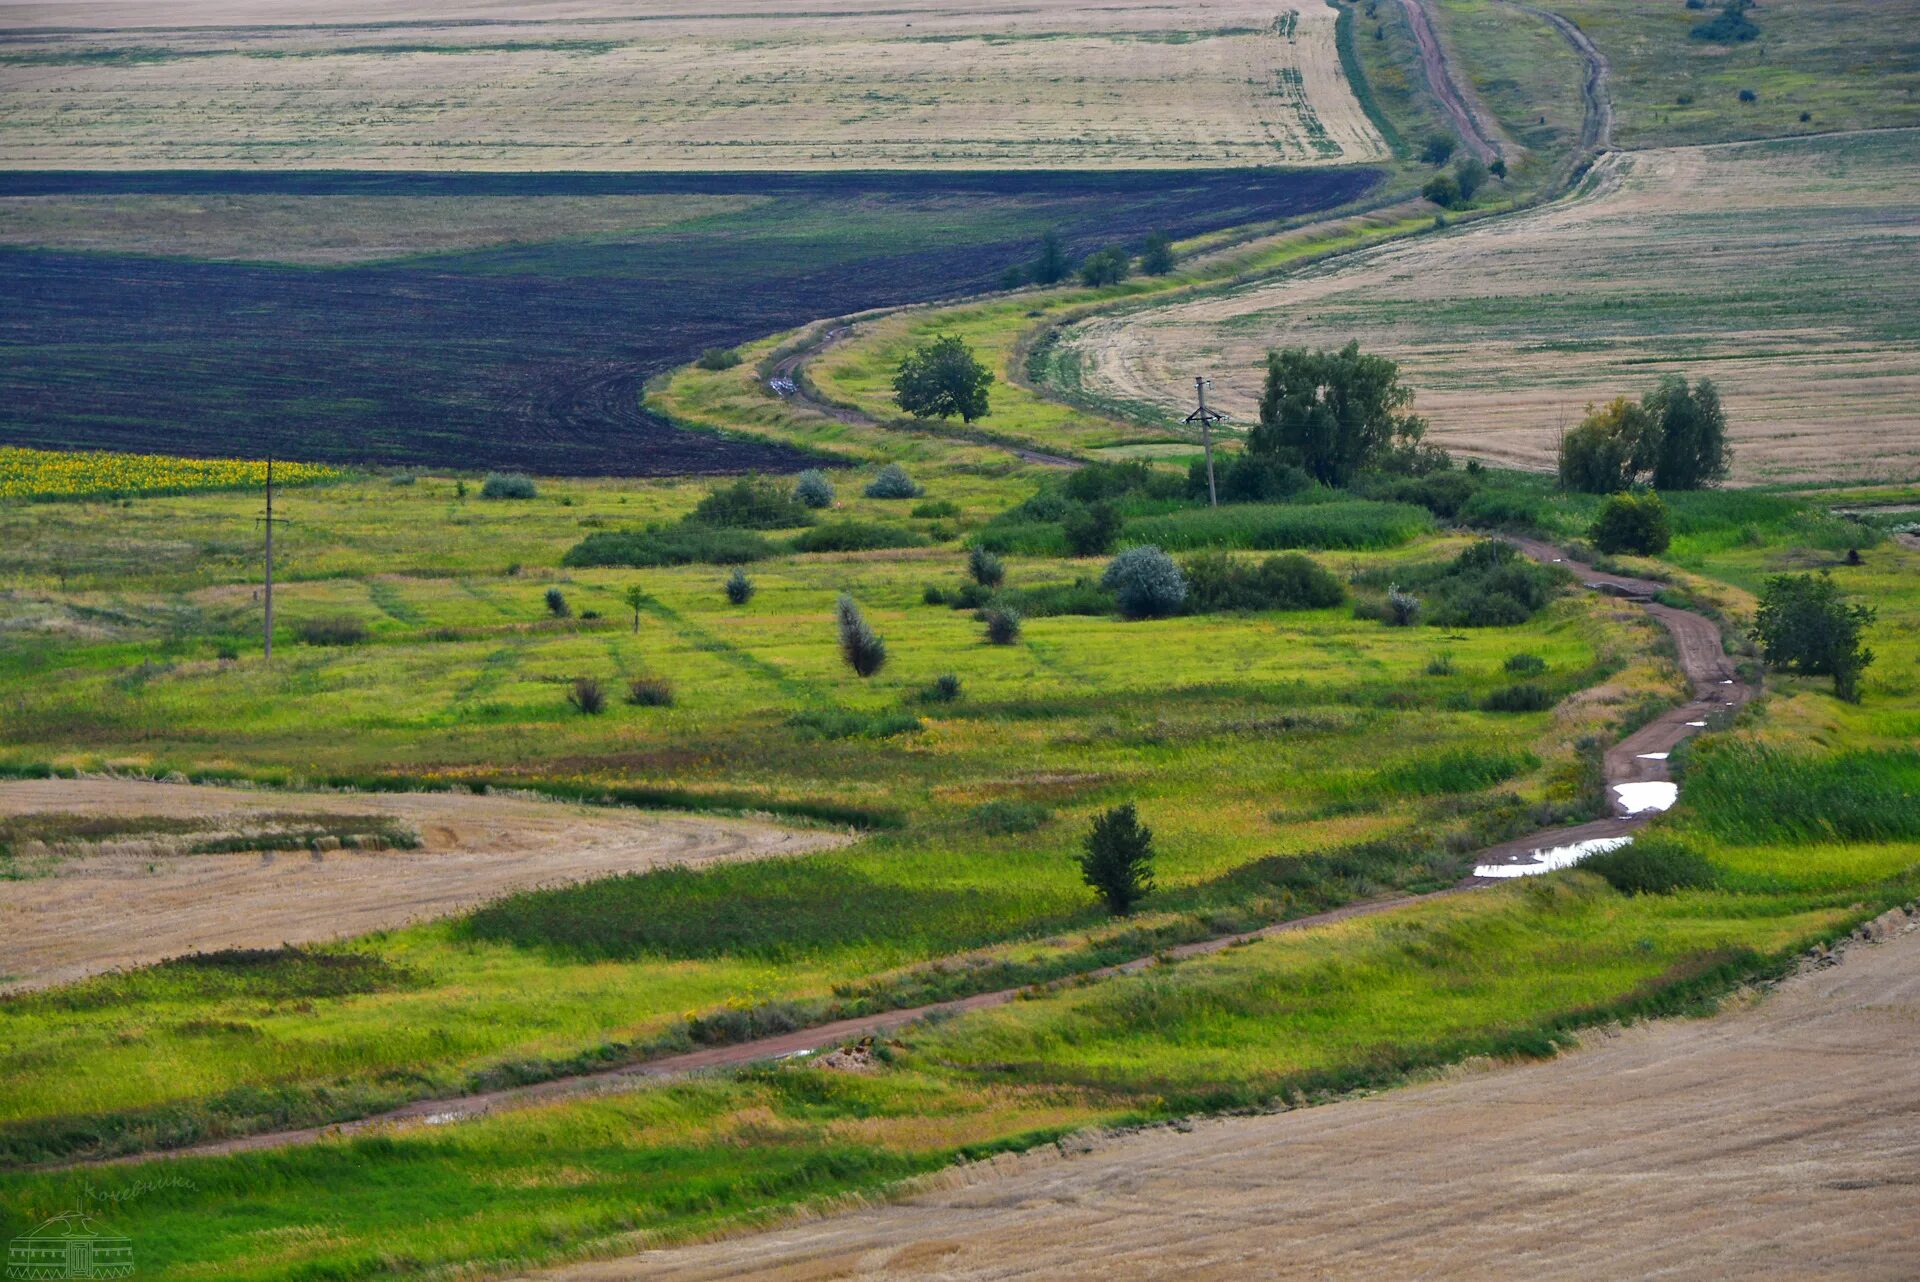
[(60, 474)]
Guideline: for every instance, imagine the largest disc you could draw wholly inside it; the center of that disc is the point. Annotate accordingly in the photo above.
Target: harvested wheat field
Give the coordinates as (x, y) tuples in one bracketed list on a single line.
[(129, 886), (1788, 272), (1776, 1141), (990, 84)]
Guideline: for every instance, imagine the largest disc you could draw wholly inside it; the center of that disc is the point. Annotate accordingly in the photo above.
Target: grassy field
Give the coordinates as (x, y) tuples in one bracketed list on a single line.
[(524, 355), (814, 86), (1511, 328)]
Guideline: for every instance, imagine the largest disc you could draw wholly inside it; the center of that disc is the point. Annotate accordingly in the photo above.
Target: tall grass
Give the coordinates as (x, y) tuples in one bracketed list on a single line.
[(1352, 524), (1753, 794)]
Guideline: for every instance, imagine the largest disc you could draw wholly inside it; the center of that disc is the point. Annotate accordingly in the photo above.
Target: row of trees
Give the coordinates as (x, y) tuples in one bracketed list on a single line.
[(1674, 437), (1107, 266)]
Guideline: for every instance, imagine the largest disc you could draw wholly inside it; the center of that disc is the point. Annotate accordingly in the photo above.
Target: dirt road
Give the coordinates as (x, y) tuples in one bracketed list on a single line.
[(1781, 1140), (125, 909), (1470, 119)]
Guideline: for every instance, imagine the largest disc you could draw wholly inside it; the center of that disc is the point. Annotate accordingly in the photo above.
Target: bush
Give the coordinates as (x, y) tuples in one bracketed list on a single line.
[(1248, 478), (1525, 665), (1091, 528), (587, 696), (1443, 190), (676, 545), (1632, 523), (1082, 596), (1441, 665), (985, 568), (1470, 175), (812, 489), (1003, 625), (935, 509), (1006, 818), (1104, 267), (1403, 608), (1748, 95), (1437, 149), (508, 485), (1804, 625), (739, 587), (1444, 493), (718, 358), (339, 629), (1216, 582), (1488, 585), (855, 536), (1524, 697), (557, 603), (1495, 510), (650, 692), (1146, 583), (840, 723), (892, 482), (860, 645), (1651, 865), (751, 503), (945, 689), (1157, 259), (1117, 859)]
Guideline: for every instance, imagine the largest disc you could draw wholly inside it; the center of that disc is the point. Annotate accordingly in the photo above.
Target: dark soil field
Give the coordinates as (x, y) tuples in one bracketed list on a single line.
[(525, 356)]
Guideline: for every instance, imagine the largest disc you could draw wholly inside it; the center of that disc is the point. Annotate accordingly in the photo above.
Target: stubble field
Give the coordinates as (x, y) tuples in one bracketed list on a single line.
[(1785, 271), (924, 85)]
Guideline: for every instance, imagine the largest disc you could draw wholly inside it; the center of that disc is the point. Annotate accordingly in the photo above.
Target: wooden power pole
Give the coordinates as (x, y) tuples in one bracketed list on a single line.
[(1206, 418), (267, 596)]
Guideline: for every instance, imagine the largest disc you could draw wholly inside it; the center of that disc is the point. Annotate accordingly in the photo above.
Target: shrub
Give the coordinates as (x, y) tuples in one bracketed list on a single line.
[(1524, 697), (1443, 493), (508, 485), (1632, 523), (650, 692), (1338, 524), (812, 489), (892, 482), (338, 629), (1006, 818), (1104, 267), (751, 503), (985, 568), (1437, 149), (1403, 608), (1091, 528), (1651, 865), (1003, 625), (1488, 585), (676, 545), (1145, 583), (1097, 481), (860, 645), (557, 603), (739, 587), (855, 536), (1216, 581), (839, 723), (587, 696), (1248, 478), (945, 689), (718, 358), (1748, 95), (1117, 859), (1157, 259), (1730, 26), (1804, 625), (1441, 665), (1497, 510), (1525, 665), (935, 509), (1082, 596), (1470, 175), (1443, 190)]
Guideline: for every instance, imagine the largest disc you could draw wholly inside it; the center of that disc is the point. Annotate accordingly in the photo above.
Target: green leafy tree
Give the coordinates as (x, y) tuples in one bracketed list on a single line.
[(1107, 267), (1611, 449), (1437, 149), (1634, 523), (1805, 626), (1051, 267), (1116, 859), (1691, 426), (1334, 413), (635, 597), (1443, 190), (1091, 528), (1157, 259), (942, 379), (1470, 176)]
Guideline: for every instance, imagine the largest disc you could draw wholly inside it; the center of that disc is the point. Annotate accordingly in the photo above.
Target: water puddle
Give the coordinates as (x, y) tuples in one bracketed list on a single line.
[(1651, 756), (1698, 725), (1555, 859), (1636, 798)]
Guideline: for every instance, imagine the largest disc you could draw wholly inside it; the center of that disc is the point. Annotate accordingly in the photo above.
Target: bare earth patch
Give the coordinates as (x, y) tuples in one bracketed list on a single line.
[(1788, 272), (1775, 1141), (817, 84), (118, 909)]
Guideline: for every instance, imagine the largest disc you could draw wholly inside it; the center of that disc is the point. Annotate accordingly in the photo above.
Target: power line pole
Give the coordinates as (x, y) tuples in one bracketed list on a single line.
[(1206, 418), (267, 596)]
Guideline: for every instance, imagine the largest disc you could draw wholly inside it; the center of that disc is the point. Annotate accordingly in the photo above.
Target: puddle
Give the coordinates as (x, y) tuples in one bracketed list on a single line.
[(1726, 683), (1552, 860), (441, 1119), (1651, 756), (1698, 725), (1638, 797)]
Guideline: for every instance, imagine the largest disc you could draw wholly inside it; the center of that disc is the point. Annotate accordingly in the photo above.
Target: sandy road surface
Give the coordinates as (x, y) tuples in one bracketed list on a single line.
[(1470, 119), (110, 910), (1781, 1140)]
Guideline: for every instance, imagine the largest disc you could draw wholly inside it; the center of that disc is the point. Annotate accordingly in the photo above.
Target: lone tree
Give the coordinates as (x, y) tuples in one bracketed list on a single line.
[(860, 645), (1692, 452), (941, 379), (1610, 450), (1334, 413), (1632, 523), (1106, 267), (635, 596), (1157, 259), (1805, 626), (1117, 859), (1051, 267)]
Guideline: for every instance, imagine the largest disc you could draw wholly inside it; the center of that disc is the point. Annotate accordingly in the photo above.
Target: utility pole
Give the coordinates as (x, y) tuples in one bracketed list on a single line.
[(268, 595), (1206, 418)]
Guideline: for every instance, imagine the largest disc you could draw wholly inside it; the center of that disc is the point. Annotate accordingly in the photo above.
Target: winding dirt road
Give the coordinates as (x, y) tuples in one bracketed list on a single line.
[(131, 907), (1700, 656), (1470, 119)]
